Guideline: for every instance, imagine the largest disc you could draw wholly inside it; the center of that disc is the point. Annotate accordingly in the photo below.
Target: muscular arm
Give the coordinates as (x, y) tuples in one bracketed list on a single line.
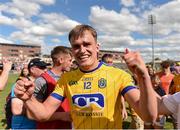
[(16, 106), (40, 94), (64, 116), (144, 100), (42, 111)]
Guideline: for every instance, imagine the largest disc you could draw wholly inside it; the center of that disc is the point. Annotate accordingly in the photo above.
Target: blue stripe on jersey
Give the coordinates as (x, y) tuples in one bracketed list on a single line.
[(99, 65), (58, 97), (126, 89)]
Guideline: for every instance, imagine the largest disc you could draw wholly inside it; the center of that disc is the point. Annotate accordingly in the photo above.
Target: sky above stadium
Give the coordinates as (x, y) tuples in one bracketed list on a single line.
[(120, 24)]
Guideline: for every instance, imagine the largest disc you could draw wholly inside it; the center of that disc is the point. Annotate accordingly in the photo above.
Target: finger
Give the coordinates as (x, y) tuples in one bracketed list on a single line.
[(28, 84), (25, 79), (20, 83), (19, 93), (20, 86)]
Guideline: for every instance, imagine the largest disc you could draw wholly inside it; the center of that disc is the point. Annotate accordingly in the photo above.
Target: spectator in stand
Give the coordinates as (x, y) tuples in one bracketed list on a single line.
[(44, 85), (4, 73), (165, 76), (19, 120)]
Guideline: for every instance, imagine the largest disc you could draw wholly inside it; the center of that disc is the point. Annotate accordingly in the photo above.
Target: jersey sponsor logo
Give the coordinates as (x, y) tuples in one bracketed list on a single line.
[(88, 114), (88, 100), (72, 83), (102, 83)]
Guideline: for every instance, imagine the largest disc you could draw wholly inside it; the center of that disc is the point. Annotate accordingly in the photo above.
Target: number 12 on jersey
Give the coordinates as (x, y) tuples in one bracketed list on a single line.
[(87, 85)]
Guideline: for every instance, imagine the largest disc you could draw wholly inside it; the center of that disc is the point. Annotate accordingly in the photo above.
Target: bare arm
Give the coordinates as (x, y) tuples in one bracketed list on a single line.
[(124, 112), (24, 90), (143, 101), (42, 111), (16, 106), (64, 116), (5, 73)]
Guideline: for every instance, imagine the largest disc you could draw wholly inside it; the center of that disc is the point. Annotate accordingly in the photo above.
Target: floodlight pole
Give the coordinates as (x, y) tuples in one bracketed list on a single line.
[(152, 21)]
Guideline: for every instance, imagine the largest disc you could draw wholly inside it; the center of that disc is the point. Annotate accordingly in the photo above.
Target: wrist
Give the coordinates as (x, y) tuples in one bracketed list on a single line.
[(143, 75), (28, 99)]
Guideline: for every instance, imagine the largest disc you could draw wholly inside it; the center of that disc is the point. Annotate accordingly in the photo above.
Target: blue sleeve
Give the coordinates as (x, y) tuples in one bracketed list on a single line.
[(126, 89), (12, 91)]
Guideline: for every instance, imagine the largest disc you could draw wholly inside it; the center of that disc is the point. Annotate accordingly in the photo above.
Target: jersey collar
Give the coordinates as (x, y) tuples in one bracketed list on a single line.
[(99, 65)]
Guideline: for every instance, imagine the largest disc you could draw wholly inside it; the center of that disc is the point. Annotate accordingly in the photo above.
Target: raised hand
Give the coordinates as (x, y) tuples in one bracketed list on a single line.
[(24, 89), (135, 62), (7, 65)]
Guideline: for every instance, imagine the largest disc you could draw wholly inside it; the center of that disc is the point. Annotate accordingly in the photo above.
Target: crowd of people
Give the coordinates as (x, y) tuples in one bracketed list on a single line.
[(79, 91)]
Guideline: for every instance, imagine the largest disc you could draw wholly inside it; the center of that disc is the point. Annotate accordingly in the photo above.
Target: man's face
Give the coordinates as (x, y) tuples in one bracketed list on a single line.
[(109, 61), (36, 72), (85, 51), (67, 62)]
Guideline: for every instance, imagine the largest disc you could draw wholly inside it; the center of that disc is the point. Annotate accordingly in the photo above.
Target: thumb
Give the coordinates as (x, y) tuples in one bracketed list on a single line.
[(126, 51), (28, 84)]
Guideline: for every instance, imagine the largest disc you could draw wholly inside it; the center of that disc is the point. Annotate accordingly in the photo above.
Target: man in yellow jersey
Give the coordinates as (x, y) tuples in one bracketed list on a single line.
[(94, 89)]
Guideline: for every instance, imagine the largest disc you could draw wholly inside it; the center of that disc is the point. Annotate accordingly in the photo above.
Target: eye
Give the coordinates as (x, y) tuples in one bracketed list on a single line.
[(75, 46), (87, 44)]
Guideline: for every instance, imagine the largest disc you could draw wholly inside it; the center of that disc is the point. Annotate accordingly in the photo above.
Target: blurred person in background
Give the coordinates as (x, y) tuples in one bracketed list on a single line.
[(174, 88), (170, 105), (175, 84), (150, 70), (44, 85), (19, 119), (165, 76), (108, 59), (4, 73), (24, 73), (74, 65), (161, 119)]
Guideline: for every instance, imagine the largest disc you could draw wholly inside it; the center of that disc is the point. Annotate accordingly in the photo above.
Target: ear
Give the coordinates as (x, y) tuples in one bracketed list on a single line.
[(98, 47), (60, 60), (31, 69)]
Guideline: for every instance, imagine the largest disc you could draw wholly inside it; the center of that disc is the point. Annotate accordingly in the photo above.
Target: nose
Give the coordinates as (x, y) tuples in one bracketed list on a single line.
[(82, 49)]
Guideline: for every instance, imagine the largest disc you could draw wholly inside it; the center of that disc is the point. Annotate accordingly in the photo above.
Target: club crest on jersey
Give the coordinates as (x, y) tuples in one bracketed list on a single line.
[(89, 100), (102, 83)]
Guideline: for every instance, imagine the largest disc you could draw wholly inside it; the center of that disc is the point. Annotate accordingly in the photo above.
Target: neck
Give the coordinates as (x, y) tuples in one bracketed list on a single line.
[(90, 68), (167, 71), (56, 70)]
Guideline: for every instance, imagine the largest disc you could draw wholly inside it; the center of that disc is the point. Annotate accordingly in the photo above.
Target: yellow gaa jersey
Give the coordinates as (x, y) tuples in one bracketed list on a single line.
[(94, 96)]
